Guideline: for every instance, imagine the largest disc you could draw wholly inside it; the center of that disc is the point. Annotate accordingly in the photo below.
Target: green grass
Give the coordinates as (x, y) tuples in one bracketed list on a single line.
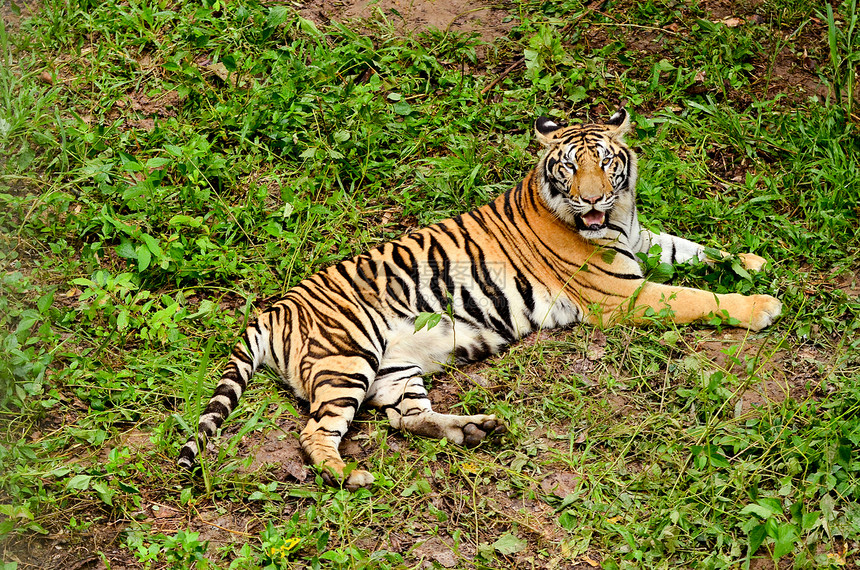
[(166, 167)]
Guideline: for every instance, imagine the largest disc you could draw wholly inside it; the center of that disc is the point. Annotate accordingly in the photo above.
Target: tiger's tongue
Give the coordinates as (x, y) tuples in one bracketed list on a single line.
[(593, 218)]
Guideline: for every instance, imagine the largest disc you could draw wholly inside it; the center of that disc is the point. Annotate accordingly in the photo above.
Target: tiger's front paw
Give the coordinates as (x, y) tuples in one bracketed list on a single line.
[(357, 478), (752, 261), (765, 310)]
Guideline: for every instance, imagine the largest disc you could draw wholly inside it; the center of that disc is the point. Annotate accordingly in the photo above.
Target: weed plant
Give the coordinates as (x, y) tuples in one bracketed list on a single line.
[(167, 167)]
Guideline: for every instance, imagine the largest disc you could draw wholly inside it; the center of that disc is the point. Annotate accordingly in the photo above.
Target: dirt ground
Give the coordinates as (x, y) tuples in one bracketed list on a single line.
[(484, 18)]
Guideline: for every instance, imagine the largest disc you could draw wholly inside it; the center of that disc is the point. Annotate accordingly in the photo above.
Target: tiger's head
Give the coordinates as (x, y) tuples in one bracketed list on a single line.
[(589, 174)]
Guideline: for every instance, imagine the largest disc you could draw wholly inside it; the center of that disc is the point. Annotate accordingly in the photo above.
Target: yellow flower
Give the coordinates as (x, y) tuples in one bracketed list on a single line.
[(291, 543), (284, 550)]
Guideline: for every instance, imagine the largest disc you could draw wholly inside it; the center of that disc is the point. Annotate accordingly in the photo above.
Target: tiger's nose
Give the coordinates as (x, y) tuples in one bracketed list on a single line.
[(593, 200)]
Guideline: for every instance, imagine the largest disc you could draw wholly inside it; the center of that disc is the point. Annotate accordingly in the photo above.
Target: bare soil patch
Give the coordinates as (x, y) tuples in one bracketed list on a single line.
[(486, 19), (781, 374), (13, 14)]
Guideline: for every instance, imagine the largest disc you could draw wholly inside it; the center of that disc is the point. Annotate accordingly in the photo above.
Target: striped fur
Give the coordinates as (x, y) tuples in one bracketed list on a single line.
[(533, 258)]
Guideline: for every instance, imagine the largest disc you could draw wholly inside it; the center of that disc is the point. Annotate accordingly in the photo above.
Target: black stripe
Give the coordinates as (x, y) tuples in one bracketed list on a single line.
[(226, 390), (614, 274), (324, 412), (348, 381), (623, 252), (393, 369), (524, 288), (216, 407)]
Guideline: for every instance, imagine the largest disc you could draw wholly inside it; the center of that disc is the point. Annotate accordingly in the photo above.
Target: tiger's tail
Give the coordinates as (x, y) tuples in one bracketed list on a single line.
[(247, 356)]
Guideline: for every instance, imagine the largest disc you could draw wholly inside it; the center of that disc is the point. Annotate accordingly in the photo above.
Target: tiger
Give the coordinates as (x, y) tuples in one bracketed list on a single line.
[(558, 248)]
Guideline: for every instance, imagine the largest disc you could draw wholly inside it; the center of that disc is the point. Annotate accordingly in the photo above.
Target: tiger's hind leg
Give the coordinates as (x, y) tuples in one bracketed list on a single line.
[(399, 391), (338, 387)]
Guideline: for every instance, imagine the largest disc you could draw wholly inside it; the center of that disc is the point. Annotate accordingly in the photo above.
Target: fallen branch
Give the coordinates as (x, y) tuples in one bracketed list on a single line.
[(503, 74)]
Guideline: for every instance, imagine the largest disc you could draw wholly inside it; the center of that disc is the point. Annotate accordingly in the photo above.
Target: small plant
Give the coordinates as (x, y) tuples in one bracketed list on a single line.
[(184, 550)]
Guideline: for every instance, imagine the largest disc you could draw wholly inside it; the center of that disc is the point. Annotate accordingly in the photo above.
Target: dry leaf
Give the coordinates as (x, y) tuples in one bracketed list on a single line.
[(561, 484), (595, 352), (731, 22), (220, 70), (478, 380)]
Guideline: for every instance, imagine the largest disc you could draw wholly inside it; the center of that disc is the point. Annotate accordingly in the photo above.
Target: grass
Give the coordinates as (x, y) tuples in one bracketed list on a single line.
[(166, 167)]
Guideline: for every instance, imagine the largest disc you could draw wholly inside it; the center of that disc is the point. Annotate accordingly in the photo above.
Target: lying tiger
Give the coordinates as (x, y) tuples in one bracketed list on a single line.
[(536, 257)]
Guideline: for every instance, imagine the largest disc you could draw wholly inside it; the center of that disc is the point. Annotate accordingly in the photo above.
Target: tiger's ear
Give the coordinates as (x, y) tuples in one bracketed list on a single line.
[(620, 122), (544, 129)]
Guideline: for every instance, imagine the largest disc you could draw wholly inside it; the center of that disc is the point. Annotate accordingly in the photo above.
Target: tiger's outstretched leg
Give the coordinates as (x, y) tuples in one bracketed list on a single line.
[(688, 305), (339, 385), (399, 391), (676, 249)]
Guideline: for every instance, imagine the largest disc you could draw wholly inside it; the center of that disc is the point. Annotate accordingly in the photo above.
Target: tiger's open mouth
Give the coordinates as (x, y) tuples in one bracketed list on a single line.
[(592, 220)]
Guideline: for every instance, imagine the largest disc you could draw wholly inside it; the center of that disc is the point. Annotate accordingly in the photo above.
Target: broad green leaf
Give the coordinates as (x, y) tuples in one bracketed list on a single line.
[(758, 510), (756, 537), (277, 16), (158, 162), (143, 258), (786, 537), (808, 520), (104, 491), (16, 512), (662, 273), (334, 556), (308, 27), (717, 459), (152, 244), (83, 282), (402, 108), (122, 320), (671, 337), (28, 319), (568, 521), (738, 268), (173, 149), (508, 544), (126, 249), (129, 487), (429, 320), (129, 163), (771, 503), (713, 254), (79, 482), (184, 220), (322, 541)]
